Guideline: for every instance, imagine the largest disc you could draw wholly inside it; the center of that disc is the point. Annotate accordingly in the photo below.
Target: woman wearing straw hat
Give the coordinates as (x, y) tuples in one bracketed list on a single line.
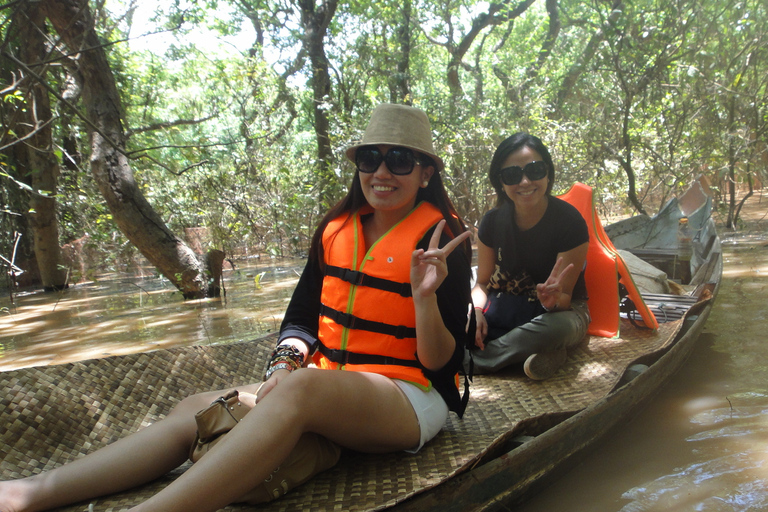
[(383, 297)]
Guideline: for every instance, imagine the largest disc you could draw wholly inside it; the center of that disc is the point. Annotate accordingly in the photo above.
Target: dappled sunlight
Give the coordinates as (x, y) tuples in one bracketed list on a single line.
[(592, 369), (484, 394), (122, 316), (746, 257), (732, 482), (743, 267)]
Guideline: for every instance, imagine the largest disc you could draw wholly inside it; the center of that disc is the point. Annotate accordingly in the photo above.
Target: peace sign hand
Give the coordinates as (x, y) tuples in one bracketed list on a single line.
[(429, 268), (550, 291)]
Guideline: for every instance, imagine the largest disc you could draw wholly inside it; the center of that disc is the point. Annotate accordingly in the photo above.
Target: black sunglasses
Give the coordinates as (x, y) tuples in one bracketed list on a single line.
[(400, 161), (514, 174)]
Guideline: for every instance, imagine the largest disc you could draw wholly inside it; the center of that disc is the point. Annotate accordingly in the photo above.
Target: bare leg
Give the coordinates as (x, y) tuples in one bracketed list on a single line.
[(131, 461), (362, 411)]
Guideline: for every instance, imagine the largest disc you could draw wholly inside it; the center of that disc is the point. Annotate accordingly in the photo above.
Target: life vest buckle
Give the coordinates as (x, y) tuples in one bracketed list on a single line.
[(352, 276), (345, 320)]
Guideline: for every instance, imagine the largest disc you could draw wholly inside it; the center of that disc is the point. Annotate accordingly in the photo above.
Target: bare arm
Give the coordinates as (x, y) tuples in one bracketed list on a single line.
[(486, 262), (278, 375), (434, 342)]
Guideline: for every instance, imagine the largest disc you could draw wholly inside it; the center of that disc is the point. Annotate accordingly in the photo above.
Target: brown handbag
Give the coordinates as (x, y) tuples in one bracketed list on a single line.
[(216, 420), (311, 455)]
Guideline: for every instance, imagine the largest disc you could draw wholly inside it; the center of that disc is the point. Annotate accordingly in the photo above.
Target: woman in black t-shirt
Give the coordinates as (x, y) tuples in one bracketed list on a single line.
[(530, 295)]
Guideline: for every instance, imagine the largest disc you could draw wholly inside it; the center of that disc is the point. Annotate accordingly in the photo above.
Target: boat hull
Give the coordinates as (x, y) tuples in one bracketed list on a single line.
[(516, 475)]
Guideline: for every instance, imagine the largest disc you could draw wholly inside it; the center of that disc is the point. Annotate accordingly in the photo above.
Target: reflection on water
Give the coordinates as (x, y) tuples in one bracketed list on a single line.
[(121, 316), (702, 444)]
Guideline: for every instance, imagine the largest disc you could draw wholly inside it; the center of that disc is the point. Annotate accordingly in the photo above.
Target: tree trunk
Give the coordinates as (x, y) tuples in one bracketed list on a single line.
[(730, 223), (214, 263), (315, 18), (626, 162), (109, 164), (401, 79), (42, 167), (568, 86), (497, 14)]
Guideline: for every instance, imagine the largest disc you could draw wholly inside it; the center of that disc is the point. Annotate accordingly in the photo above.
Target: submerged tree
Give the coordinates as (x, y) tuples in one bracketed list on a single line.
[(194, 277), (35, 162)]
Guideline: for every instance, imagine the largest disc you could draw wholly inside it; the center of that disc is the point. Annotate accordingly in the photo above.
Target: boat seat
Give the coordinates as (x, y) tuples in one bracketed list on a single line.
[(604, 271)]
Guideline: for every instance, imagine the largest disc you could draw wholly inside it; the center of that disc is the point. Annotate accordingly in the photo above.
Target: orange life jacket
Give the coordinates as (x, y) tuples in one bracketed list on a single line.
[(605, 270), (367, 316)]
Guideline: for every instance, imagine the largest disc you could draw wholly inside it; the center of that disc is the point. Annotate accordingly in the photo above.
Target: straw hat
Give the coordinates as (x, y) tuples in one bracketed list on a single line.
[(399, 125)]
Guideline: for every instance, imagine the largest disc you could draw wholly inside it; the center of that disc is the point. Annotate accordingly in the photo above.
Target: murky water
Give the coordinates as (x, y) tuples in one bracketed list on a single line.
[(119, 316), (701, 445)]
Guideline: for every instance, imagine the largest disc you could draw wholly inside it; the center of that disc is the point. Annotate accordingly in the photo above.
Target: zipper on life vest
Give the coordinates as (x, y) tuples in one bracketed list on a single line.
[(359, 267)]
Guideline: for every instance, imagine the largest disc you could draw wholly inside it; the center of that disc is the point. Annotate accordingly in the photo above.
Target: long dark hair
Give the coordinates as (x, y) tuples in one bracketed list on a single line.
[(434, 193), (509, 146)]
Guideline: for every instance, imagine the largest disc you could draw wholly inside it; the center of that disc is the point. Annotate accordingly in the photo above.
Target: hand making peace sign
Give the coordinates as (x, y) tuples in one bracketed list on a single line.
[(429, 268), (549, 291)]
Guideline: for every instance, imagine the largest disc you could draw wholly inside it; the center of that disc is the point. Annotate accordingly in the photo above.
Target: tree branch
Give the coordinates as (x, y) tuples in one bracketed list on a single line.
[(55, 93), (577, 69), (162, 165), (131, 154), (168, 124)]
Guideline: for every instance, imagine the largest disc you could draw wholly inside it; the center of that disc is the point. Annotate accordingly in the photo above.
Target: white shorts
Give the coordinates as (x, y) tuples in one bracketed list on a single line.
[(430, 408)]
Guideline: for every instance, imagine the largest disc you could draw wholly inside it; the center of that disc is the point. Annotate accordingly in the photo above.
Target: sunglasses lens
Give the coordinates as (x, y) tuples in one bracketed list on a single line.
[(514, 174), (368, 159), (400, 161), (536, 170), (511, 175)]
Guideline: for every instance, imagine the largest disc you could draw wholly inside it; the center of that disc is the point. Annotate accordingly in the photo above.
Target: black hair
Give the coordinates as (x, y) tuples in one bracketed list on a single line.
[(509, 146)]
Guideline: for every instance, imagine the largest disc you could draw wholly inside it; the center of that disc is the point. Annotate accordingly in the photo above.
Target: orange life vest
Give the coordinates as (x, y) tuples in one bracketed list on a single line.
[(605, 270), (367, 316)]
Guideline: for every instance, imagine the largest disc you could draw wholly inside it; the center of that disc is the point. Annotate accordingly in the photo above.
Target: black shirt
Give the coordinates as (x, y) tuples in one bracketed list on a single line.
[(526, 258)]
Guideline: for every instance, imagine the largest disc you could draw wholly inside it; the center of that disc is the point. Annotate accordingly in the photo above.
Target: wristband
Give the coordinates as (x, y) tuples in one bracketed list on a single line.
[(275, 367)]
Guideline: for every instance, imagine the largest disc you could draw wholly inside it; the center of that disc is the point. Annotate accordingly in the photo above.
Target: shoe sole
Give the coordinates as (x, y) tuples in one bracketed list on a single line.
[(543, 365)]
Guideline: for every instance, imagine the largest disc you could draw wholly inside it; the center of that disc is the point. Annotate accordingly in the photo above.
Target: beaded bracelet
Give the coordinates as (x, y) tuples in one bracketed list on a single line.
[(288, 352), (284, 357)]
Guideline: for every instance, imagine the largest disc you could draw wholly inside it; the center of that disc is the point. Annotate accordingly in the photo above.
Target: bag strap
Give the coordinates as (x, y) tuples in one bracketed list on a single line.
[(628, 306), (469, 342)]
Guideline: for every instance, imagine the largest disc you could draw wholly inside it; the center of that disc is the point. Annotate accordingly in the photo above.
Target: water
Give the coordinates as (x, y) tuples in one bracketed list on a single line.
[(117, 316), (702, 444)]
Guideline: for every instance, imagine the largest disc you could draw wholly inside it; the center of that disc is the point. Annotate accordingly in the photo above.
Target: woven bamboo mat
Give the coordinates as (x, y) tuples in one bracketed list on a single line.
[(52, 415)]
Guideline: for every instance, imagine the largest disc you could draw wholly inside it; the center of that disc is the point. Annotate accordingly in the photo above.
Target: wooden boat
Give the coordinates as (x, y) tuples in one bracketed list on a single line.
[(516, 435)]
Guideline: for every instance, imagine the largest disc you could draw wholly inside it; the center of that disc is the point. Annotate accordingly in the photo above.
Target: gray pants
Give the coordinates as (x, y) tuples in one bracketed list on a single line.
[(549, 331)]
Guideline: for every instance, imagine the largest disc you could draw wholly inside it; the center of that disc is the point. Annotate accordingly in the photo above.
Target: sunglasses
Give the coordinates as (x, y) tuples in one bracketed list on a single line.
[(514, 174), (400, 161)]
